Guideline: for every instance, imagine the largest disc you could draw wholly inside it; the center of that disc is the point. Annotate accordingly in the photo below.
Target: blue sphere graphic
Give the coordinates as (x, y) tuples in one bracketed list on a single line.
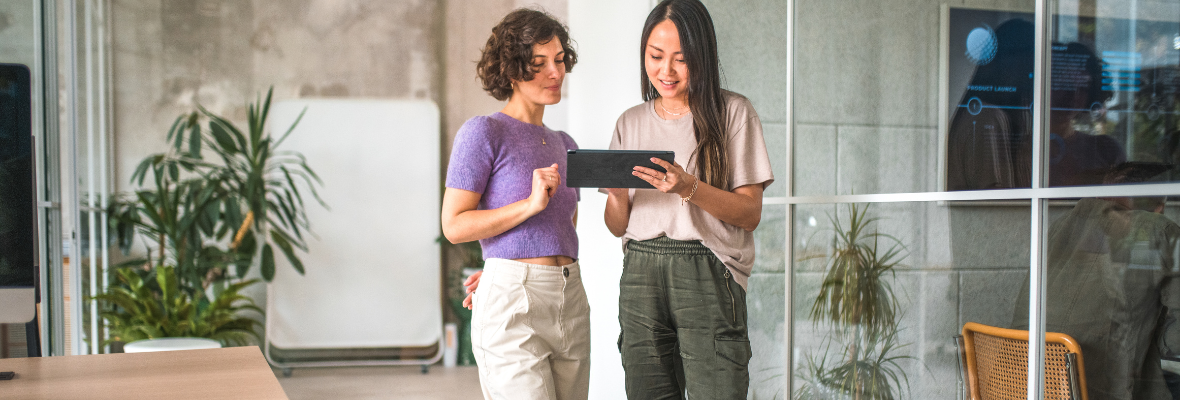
[(981, 45)]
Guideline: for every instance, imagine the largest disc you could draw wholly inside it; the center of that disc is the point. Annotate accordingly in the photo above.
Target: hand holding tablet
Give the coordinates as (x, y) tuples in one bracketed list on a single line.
[(611, 168)]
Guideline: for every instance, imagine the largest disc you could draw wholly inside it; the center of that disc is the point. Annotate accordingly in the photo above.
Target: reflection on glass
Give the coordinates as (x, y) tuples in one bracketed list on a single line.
[(1113, 95), (881, 290), (991, 71), (1113, 285)]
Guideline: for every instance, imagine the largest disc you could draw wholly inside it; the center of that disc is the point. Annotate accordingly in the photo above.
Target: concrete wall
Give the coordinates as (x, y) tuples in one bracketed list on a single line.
[(169, 56)]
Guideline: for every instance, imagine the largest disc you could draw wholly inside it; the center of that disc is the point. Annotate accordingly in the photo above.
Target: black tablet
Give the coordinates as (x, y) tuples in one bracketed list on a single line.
[(611, 168)]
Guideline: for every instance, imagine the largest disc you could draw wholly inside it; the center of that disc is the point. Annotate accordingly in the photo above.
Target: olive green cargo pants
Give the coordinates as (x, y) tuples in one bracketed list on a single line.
[(683, 323)]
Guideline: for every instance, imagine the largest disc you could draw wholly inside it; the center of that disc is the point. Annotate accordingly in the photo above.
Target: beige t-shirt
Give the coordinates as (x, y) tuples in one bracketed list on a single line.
[(655, 214)]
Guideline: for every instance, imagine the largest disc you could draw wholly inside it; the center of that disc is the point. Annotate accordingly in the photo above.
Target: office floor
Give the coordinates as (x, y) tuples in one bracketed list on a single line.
[(408, 383)]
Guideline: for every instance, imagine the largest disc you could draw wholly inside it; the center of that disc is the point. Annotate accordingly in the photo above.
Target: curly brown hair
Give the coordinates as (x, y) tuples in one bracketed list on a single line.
[(508, 54)]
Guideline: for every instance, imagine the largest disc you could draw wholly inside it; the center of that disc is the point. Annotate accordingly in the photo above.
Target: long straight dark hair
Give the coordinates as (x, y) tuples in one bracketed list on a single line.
[(698, 42)]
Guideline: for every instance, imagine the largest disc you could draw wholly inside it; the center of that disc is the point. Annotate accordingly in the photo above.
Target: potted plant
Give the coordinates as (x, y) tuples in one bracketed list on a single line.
[(173, 312), (204, 217), (856, 299)]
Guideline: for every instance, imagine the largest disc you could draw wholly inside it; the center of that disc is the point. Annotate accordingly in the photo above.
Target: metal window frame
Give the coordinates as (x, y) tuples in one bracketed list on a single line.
[(85, 65)]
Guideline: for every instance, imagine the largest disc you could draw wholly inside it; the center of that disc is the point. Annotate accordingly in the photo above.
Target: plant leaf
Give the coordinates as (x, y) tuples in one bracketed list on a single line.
[(285, 246), (268, 263)]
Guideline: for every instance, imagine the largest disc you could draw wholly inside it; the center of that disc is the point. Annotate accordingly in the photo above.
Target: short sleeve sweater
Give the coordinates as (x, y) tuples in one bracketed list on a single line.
[(495, 156)]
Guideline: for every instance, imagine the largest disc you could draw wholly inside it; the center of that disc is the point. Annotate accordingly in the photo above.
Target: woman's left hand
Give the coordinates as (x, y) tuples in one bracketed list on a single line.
[(675, 181)]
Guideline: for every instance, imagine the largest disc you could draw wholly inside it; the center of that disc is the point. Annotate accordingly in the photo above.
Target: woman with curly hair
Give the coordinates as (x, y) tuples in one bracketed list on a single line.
[(530, 326)]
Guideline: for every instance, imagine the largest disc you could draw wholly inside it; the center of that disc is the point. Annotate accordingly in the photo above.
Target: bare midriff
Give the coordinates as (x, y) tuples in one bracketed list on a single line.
[(555, 261)]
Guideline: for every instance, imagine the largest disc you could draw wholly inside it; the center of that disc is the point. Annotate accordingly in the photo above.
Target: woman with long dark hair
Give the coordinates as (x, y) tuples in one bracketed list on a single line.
[(530, 324), (689, 246)]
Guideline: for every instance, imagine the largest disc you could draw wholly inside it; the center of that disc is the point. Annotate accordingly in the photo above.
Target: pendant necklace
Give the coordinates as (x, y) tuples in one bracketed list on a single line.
[(669, 112)]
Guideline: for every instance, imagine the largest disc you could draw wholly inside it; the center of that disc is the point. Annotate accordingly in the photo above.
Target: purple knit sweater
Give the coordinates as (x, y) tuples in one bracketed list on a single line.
[(495, 156)]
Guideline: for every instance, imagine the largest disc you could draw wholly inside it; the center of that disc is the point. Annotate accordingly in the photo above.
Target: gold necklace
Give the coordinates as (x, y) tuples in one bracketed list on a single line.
[(669, 112)]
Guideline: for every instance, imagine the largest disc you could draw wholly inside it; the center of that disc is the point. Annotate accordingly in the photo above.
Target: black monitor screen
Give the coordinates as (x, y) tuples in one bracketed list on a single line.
[(17, 245)]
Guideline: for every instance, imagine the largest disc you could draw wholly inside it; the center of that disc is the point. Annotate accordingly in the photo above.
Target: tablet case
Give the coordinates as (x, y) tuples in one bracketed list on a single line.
[(611, 168)]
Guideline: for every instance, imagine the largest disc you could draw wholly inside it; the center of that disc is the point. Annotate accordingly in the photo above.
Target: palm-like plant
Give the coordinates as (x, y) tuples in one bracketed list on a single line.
[(854, 293), (172, 312), (261, 180), (874, 374), (204, 217), (251, 194), (857, 299), (180, 215)]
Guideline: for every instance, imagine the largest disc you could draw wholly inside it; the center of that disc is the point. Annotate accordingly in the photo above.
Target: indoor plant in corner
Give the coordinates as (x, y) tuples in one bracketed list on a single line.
[(204, 218), (857, 301)]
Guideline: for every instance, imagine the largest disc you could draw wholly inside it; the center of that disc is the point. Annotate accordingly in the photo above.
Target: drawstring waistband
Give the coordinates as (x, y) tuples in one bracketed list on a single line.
[(664, 245)]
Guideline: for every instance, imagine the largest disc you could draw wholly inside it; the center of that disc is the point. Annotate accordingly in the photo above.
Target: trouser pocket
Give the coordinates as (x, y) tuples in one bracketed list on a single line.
[(734, 350)]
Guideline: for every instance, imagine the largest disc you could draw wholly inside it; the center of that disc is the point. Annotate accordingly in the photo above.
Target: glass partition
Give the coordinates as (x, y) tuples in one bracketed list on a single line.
[(881, 290), (766, 315), (1111, 285), (1114, 110), (869, 79)]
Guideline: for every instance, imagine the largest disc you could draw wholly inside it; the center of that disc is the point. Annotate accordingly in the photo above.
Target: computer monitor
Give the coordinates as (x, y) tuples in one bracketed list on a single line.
[(18, 244)]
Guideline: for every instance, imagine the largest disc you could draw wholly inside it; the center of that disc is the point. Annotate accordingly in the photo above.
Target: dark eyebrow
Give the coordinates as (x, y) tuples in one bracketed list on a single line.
[(659, 49), (559, 54)]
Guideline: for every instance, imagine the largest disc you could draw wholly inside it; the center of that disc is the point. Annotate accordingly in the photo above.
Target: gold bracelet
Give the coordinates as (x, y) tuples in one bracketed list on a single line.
[(684, 200)]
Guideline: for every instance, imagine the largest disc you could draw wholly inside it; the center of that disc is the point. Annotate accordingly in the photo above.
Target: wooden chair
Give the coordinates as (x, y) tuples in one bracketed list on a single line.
[(994, 363)]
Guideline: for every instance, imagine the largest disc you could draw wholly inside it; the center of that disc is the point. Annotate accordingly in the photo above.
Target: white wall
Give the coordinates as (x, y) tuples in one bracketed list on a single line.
[(602, 86)]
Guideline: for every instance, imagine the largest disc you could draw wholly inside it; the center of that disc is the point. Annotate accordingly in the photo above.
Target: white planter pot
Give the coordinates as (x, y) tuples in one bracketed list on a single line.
[(169, 344)]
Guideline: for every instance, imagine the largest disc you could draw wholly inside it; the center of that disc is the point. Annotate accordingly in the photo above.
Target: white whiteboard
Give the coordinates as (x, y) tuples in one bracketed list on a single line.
[(373, 274)]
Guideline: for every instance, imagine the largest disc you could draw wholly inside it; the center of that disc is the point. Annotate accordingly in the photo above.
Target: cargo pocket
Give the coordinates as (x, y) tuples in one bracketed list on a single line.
[(735, 350), (620, 342)]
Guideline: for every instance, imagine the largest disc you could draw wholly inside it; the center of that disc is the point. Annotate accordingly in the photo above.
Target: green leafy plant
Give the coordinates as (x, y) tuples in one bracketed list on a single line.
[(247, 196), (144, 313), (180, 217), (204, 216), (261, 181), (856, 298)]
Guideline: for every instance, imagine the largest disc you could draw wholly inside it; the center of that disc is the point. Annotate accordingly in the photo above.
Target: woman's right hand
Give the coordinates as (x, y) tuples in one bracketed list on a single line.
[(545, 183), (471, 284)]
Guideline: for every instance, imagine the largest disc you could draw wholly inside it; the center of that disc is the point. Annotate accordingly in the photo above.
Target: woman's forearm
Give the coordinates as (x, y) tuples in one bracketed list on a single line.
[(618, 213), (474, 225), (741, 208)]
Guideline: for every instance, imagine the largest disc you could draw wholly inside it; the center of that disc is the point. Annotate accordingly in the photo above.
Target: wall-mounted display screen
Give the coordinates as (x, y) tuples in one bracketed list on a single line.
[(1113, 100), (17, 244)]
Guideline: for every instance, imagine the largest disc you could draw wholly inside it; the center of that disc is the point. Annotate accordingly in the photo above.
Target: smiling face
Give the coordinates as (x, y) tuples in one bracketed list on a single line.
[(664, 62), (548, 66)]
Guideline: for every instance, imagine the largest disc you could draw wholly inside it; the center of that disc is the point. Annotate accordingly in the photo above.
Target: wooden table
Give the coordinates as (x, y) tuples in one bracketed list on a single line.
[(229, 373)]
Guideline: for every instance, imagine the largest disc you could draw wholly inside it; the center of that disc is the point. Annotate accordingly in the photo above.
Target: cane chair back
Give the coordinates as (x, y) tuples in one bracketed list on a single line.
[(996, 361)]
